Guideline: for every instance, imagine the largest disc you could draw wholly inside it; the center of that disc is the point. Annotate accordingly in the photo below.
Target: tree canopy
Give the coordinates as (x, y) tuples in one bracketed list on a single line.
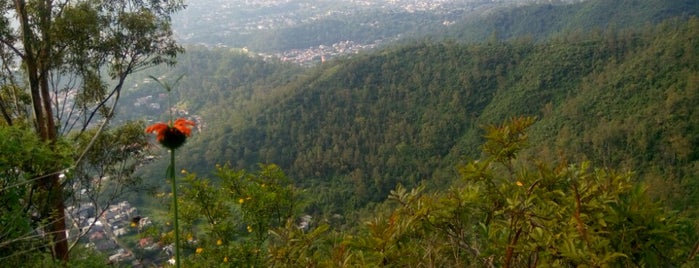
[(67, 61)]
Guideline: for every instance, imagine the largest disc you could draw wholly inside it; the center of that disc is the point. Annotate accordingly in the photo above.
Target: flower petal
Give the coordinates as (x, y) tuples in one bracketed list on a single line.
[(159, 128), (183, 125)]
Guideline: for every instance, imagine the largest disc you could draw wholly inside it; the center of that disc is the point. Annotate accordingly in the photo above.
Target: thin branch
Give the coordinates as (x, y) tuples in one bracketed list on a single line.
[(116, 91), (104, 123), (28, 181), (13, 48)]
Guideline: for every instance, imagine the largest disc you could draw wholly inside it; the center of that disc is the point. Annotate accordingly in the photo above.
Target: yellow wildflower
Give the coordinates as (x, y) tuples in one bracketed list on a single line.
[(249, 229), (199, 250), (241, 200), (219, 242), (225, 259), (519, 183)]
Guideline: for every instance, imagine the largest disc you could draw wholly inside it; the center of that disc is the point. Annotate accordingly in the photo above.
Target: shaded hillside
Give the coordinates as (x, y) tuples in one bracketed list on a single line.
[(374, 120), (622, 100), (543, 21), (217, 88), (362, 125), (210, 77)]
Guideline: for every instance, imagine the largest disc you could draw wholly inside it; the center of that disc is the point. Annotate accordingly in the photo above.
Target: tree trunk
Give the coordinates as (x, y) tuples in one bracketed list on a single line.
[(37, 63), (55, 215)]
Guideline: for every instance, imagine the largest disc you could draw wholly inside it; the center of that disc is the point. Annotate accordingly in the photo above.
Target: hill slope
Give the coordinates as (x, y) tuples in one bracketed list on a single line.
[(409, 113), (353, 128), (544, 21)]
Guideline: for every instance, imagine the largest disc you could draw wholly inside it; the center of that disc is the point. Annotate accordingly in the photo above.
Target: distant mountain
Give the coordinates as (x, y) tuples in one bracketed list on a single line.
[(276, 26), (543, 21), (307, 32)]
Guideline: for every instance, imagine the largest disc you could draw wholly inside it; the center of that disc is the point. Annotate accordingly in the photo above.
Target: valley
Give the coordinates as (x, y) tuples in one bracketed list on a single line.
[(384, 133)]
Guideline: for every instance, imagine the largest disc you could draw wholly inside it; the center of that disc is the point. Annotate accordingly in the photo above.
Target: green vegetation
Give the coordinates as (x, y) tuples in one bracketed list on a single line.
[(419, 154), (67, 63), (503, 211), (593, 182), (354, 128), (23, 149), (550, 20)]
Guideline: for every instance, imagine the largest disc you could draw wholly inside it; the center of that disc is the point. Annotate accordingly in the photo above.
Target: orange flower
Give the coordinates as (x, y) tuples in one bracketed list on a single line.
[(174, 135)]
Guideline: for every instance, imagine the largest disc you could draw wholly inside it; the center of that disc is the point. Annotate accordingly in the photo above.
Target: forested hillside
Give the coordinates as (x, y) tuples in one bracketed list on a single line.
[(409, 139), (209, 77), (545, 21), (354, 128), (424, 145), (638, 113), (555, 134)]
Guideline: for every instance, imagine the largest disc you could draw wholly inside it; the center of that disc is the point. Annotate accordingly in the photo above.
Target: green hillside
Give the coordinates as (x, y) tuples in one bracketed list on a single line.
[(568, 138), (407, 114), (638, 113), (401, 155), (544, 21)]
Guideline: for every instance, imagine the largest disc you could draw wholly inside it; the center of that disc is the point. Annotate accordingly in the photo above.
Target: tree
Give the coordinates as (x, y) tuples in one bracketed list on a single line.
[(505, 210), (20, 149), (74, 57), (512, 212)]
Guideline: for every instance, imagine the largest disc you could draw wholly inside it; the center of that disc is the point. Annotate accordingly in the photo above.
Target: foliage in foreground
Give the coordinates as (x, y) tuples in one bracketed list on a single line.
[(24, 159), (504, 212), (103, 175)]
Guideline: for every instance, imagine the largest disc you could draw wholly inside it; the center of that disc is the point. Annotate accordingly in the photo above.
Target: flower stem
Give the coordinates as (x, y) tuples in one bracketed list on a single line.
[(171, 173)]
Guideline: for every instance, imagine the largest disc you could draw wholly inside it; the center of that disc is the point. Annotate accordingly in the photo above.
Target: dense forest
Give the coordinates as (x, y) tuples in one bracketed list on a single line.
[(407, 114), (573, 143), (549, 20), (354, 135)]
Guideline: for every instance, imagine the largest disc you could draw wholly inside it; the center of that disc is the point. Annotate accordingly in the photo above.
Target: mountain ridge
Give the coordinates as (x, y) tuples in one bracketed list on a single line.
[(407, 114)]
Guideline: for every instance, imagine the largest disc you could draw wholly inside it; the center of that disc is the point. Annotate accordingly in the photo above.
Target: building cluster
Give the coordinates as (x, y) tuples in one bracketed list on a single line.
[(319, 54), (155, 103), (101, 229), (210, 23), (147, 101)]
